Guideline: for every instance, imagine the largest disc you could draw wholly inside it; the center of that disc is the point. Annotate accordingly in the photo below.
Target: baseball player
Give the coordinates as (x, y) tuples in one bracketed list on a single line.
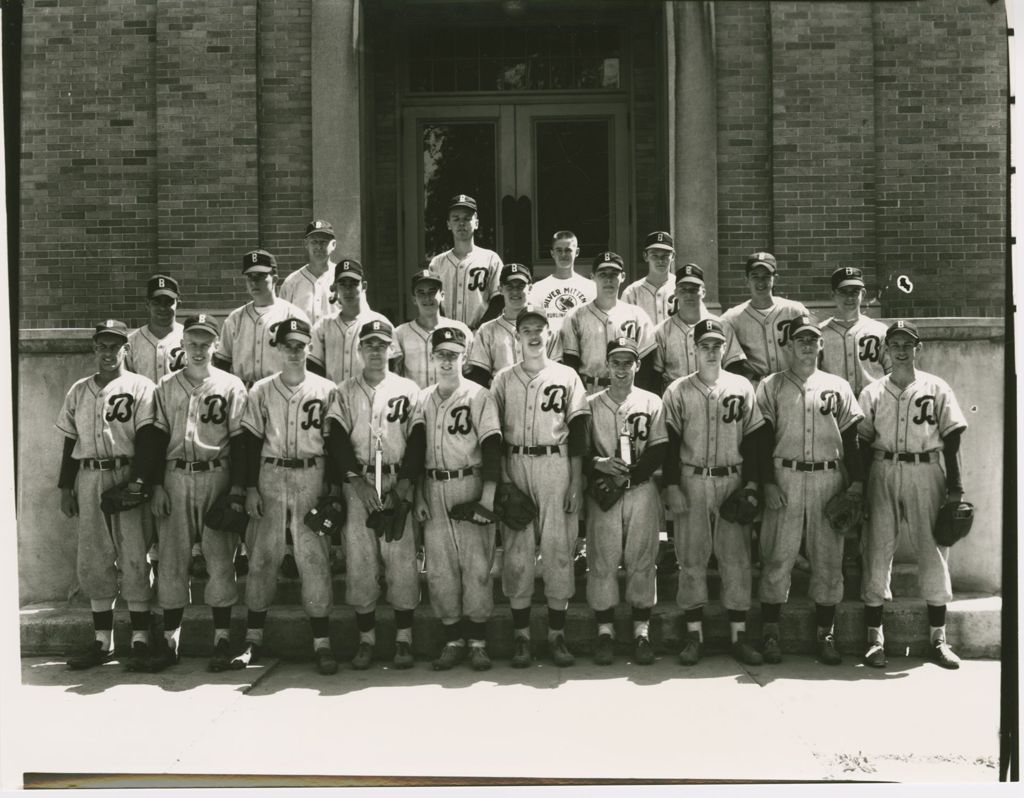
[(716, 446), (760, 324), (588, 328), (104, 417), (565, 288), (153, 351), (370, 421), (853, 344), (309, 288), (469, 274), (544, 412), (813, 418), (496, 344), (284, 425), (911, 429), (627, 443), (655, 293), (199, 411), (415, 360), (456, 422)]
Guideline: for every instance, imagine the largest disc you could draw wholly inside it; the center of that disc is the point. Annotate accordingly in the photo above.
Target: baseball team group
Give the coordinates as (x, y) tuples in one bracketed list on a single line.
[(345, 443)]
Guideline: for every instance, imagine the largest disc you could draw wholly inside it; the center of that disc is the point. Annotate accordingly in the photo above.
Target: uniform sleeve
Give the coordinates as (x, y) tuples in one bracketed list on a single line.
[(866, 428), (479, 353), (414, 404), (660, 342), (227, 333), (672, 409), (145, 409), (849, 411), (658, 431), (252, 419), (237, 401), (470, 336), (555, 348), (66, 417), (733, 350), (570, 334), (645, 333), (884, 357), (161, 417), (340, 411), (493, 286), (753, 418), (317, 343), (487, 420), (951, 418), (129, 357), (498, 392), (576, 404), (629, 295), (287, 290), (418, 414), (765, 401)]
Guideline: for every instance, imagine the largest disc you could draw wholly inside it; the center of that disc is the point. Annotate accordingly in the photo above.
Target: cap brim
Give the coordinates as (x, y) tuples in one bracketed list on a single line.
[(623, 350), (376, 335), (325, 233), (462, 205), (767, 266), (807, 328), (349, 276), (259, 268), (203, 328), (516, 278), (909, 333), (716, 335), (296, 336), (533, 314), (164, 292), (116, 333), (430, 280), (667, 247), (845, 283), (450, 346), (689, 279), (608, 267)]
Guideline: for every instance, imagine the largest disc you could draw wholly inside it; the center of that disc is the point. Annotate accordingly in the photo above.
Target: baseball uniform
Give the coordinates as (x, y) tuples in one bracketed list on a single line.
[(657, 301), (855, 351), (676, 353), (154, 357), (335, 345), (495, 346), (468, 283), (413, 343), (309, 293), (588, 329), (557, 296), (763, 333), (246, 339)]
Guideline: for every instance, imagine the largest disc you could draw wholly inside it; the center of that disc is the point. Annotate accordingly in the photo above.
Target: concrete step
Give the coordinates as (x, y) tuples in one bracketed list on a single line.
[(973, 627)]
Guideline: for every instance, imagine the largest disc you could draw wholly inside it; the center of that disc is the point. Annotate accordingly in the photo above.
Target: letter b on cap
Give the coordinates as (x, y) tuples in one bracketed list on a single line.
[(294, 325)]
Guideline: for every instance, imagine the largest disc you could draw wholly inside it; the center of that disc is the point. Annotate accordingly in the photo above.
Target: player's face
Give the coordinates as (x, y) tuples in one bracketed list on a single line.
[(659, 261), (448, 363), (709, 351), (902, 349), (689, 296), (565, 251), (319, 247), (294, 352), (428, 297), (463, 223), (760, 281), (608, 281), (533, 336), (848, 300), (374, 353), (260, 285), (515, 292), (805, 347), (349, 291), (110, 352), (622, 366), (198, 344), (162, 310)]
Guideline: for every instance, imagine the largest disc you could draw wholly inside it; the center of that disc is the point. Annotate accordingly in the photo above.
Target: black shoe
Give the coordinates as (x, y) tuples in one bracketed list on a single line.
[(521, 656), (643, 652), (560, 654), (943, 655), (289, 569), (692, 651), (403, 656), (771, 652), (745, 653), (139, 657), (478, 659), (451, 655), (326, 664), (828, 654), (164, 657), (241, 565), (91, 657), (604, 651), (221, 659), (875, 655), (364, 657), (249, 656)]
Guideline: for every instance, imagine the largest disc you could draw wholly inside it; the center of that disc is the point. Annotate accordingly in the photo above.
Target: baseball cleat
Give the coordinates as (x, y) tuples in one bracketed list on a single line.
[(692, 651), (828, 654), (451, 655), (560, 654), (643, 652), (875, 655), (745, 653), (403, 656), (943, 655), (364, 656), (249, 656), (771, 652), (289, 568), (326, 664), (521, 657), (164, 657), (604, 651), (91, 657), (221, 659), (478, 659), (138, 657)]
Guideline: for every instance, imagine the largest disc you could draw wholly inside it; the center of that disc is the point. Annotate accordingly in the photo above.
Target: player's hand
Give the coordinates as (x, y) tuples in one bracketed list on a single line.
[(367, 494), (160, 502), (612, 466), (774, 497), (420, 508), (486, 501), (68, 502), (253, 503), (675, 500), (571, 504)]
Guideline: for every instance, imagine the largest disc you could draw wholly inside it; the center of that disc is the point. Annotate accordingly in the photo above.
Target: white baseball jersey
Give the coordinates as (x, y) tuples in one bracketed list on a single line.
[(676, 353), (912, 419), (536, 411), (763, 334), (103, 421), (310, 293), (641, 416), (335, 345), (413, 343), (468, 284), (154, 357), (495, 346), (657, 301), (200, 419), (557, 297), (588, 329), (712, 420), (809, 416), (368, 413), (290, 419), (246, 339), (856, 351), (456, 425)]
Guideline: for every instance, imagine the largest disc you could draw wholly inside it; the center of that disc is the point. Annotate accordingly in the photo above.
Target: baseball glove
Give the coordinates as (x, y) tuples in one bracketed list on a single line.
[(844, 512), (512, 507), (227, 514), (327, 517), (740, 506), (954, 522), (119, 498), (604, 489), (389, 523)]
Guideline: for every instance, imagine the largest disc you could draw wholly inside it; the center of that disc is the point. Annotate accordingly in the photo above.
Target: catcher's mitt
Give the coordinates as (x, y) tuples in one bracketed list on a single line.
[(604, 489), (844, 512), (954, 522), (227, 514), (740, 506), (327, 517), (512, 507), (126, 496)]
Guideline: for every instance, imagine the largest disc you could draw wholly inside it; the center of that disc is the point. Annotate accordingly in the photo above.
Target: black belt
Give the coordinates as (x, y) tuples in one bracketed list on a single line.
[(714, 471), (444, 476), (796, 465), (384, 469), (285, 462), (105, 465), (533, 451), (911, 457), (599, 381), (198, 465)]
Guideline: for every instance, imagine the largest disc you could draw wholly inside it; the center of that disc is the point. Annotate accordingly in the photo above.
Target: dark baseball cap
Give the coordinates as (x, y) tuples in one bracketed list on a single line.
[(258, 260), (381, 330), (847, 275), (292, 330), (425, 276), (605, 260), (348, 268), (766, 259), (162, 285), (708, 328), (111, 327), (448, 338), (202, 321), (515, 271), (622, 344), (462, 201), (530, 312), (320, 227), (903, 326), (659, 240), (690, 273), (801, 324)]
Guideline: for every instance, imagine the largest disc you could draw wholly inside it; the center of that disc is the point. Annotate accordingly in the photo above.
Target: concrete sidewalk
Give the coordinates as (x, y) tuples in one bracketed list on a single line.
[(913, 722)]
